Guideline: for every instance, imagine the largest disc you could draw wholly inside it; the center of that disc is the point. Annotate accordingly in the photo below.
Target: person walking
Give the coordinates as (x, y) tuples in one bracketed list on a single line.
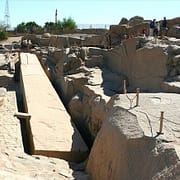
[(164, 27), (152, 26), (156, 29)]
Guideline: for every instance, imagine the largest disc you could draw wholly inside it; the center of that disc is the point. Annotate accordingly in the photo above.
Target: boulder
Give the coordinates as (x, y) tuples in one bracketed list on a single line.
[(88, 109), (144, 68), (173, 50), (94, 40), (59, 41), (176, 60), (121, 151), (174, 31), (56, 55), (149, 69), (123, 21), (83, 52), (46, 35), (135, 20), (94, 60), (44, 41), (32, 37), (72, 62)]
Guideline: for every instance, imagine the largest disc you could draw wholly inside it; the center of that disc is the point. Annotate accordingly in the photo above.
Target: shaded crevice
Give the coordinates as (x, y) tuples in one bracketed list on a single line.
[(23, 122)]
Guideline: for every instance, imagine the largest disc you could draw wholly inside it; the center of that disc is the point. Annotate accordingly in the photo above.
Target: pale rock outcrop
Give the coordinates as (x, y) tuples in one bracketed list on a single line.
[(94, 40), (43, 42), (174, 31), (94, 60), (118, 32), (65, 41), (72, 62), (88, 110), (135, 20), (144, 63), (32, 37), (83, 51), (121, 151), (123, 21), (144, 67), (173, 60), (46, 35), (89, 107), (149, 69)]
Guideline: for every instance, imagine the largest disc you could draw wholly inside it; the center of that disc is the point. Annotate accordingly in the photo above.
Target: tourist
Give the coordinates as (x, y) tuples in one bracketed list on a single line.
[(156, 29), (144, 32), (152, 26), (164, 27)]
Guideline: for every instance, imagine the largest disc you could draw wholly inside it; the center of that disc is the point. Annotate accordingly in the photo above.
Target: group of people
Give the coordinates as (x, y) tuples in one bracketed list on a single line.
[(157, 28)]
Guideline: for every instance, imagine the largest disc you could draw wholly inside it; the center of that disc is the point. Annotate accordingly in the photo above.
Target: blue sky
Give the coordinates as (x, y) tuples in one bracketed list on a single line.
[(88, 11)]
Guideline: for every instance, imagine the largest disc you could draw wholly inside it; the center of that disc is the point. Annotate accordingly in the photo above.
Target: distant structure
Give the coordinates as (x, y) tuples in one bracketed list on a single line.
[(56, 16), (7, 16)]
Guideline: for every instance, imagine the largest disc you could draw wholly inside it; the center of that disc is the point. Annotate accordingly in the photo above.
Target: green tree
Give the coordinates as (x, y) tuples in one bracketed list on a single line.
[(29, 27), (58, 26), (49, 27), (66, 26), (32, 27), (3, 33), (52, 27), (21, 28), (69, 25)]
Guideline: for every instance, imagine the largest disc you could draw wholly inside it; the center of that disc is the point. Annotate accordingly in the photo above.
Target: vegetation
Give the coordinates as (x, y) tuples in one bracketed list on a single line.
[(29, 27), (3, 33), (66, 26), (69, 25), (52, 27)]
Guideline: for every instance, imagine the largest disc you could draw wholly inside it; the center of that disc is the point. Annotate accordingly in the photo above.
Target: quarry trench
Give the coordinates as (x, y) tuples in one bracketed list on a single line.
[(27, 128)]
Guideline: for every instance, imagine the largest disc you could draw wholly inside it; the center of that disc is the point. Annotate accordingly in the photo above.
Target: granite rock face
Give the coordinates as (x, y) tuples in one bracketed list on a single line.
[(122, 151)]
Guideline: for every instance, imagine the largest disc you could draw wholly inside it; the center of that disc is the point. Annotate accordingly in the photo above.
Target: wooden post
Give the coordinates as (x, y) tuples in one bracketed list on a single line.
[(161, 122), (125, 90), (137, 96), (22, 115)]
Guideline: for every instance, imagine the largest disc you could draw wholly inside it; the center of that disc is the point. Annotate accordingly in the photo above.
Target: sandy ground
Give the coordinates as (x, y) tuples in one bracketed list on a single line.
[(10, 40)]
